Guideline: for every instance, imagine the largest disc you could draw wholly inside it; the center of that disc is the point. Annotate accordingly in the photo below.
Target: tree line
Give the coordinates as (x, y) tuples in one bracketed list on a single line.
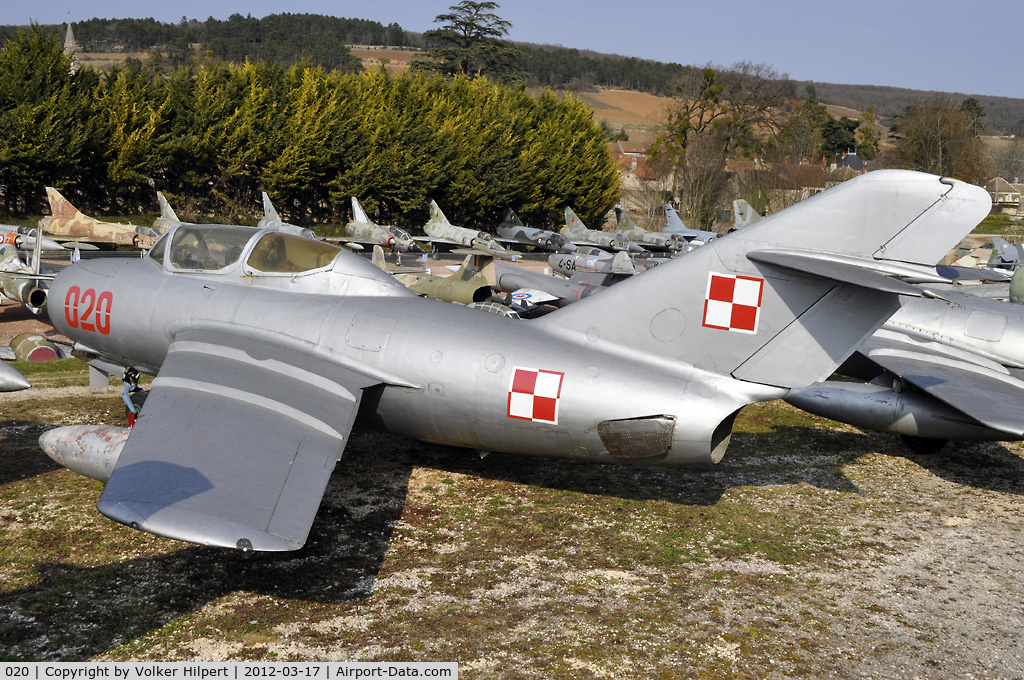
[(212, 137)]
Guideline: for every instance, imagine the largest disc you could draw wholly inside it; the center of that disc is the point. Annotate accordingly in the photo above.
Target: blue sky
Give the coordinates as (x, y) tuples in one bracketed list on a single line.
[(921, 44)]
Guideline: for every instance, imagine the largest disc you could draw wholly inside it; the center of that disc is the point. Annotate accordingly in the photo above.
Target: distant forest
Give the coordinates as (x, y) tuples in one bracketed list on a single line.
[(321, 41)]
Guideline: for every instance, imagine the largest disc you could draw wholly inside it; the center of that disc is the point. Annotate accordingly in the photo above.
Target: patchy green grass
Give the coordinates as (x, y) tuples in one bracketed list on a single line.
[(517, 566), (1000, 225)]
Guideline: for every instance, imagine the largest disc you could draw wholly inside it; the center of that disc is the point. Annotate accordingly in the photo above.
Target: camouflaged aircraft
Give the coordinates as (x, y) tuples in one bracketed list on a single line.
[(267, 348), (577, 232), (512, 230), (67, 224), (362, 230)]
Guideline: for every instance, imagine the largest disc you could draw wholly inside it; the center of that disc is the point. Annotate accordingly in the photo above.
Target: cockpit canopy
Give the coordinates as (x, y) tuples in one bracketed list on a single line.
[(215, 247)]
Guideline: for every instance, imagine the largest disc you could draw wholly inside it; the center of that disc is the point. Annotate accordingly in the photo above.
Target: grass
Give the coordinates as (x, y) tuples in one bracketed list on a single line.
[(513, 566)]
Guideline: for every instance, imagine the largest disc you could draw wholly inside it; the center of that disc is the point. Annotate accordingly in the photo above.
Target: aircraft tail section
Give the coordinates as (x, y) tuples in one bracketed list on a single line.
[(166, 211), (763, 304), (743, 214), (623, 222), (358, 215), (60, 206), (269, 211), (509, 218)]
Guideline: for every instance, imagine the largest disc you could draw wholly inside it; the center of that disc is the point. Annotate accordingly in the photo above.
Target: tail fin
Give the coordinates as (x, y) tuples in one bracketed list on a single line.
[(436, 216), (166, 211), (269, 211), (509, 217), (357, 212), (572, 221), (762, 305), (744, 214), (60, 206), (378, 256), (672, 219), (622, 221)]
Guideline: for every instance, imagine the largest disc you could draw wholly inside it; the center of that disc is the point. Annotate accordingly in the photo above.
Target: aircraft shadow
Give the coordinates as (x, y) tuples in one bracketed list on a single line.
[(77, 612), (20, 455)]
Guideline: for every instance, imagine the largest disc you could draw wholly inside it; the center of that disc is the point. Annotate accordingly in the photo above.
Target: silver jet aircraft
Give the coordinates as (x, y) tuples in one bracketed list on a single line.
[(440, 231), (267, 347), (675, 225), (649, 239), (512, 230), (363, 230), (24, 238), (593, 260), (581, 235), (939, 369)]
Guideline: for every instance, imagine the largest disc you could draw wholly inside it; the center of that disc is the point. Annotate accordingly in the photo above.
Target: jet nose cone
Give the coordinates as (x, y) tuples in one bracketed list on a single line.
[(11, 379), (49, 244), (634, 248)]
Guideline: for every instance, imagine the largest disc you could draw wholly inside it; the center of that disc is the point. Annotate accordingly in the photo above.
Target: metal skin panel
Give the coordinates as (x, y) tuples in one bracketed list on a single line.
[(948, 323)]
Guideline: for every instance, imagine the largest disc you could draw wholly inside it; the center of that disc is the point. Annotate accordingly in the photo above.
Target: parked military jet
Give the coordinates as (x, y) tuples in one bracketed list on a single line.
[(24, 238), (266, 347), (361, 229), (581, 235), (440, 231), (271, 220), (652, 240), (939, 369), (512, 230), (67, 223), (593, 260), (674, 225), (168, 219)]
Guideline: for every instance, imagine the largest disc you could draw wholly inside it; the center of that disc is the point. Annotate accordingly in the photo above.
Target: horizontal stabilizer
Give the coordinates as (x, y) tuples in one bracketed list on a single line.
[(843, 271)]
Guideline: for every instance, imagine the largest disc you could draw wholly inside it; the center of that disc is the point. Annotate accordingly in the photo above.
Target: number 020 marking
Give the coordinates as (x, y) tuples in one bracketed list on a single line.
[(88, 310)]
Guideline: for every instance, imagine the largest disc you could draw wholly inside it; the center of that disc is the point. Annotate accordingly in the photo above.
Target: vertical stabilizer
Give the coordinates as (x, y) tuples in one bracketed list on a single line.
[(269, 211), (358, 215), (166, 211), (784, 301), (60, 206)]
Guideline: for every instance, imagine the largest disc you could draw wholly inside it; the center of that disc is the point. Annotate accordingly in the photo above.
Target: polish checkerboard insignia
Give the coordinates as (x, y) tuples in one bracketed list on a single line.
[(533, 395), (733, 303)]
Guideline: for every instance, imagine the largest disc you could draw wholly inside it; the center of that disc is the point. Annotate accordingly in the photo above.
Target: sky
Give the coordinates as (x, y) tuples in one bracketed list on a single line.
[(939, 45)]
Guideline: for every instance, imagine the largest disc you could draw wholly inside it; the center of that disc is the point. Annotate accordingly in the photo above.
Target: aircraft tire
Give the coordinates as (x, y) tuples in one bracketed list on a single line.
[(923, 446)]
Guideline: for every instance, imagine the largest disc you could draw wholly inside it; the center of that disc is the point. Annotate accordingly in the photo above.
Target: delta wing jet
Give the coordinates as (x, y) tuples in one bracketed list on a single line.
[(168, 218), (267, 347), (67, 223), (271, 220), (581, 235), (675, 225), (512, 230), (651, 240), (440, 231), (362, 230)]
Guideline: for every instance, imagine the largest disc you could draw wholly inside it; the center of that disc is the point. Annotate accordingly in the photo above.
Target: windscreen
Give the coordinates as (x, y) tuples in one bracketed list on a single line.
[(208, 247), (283, 253)]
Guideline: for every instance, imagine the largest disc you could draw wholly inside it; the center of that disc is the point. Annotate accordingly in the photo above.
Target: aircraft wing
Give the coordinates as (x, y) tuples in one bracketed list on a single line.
[(235, 444), (971, 384)]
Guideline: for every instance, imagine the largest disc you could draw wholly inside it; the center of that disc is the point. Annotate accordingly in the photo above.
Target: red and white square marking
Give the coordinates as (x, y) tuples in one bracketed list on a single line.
[(533, 395), (733, 303)]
